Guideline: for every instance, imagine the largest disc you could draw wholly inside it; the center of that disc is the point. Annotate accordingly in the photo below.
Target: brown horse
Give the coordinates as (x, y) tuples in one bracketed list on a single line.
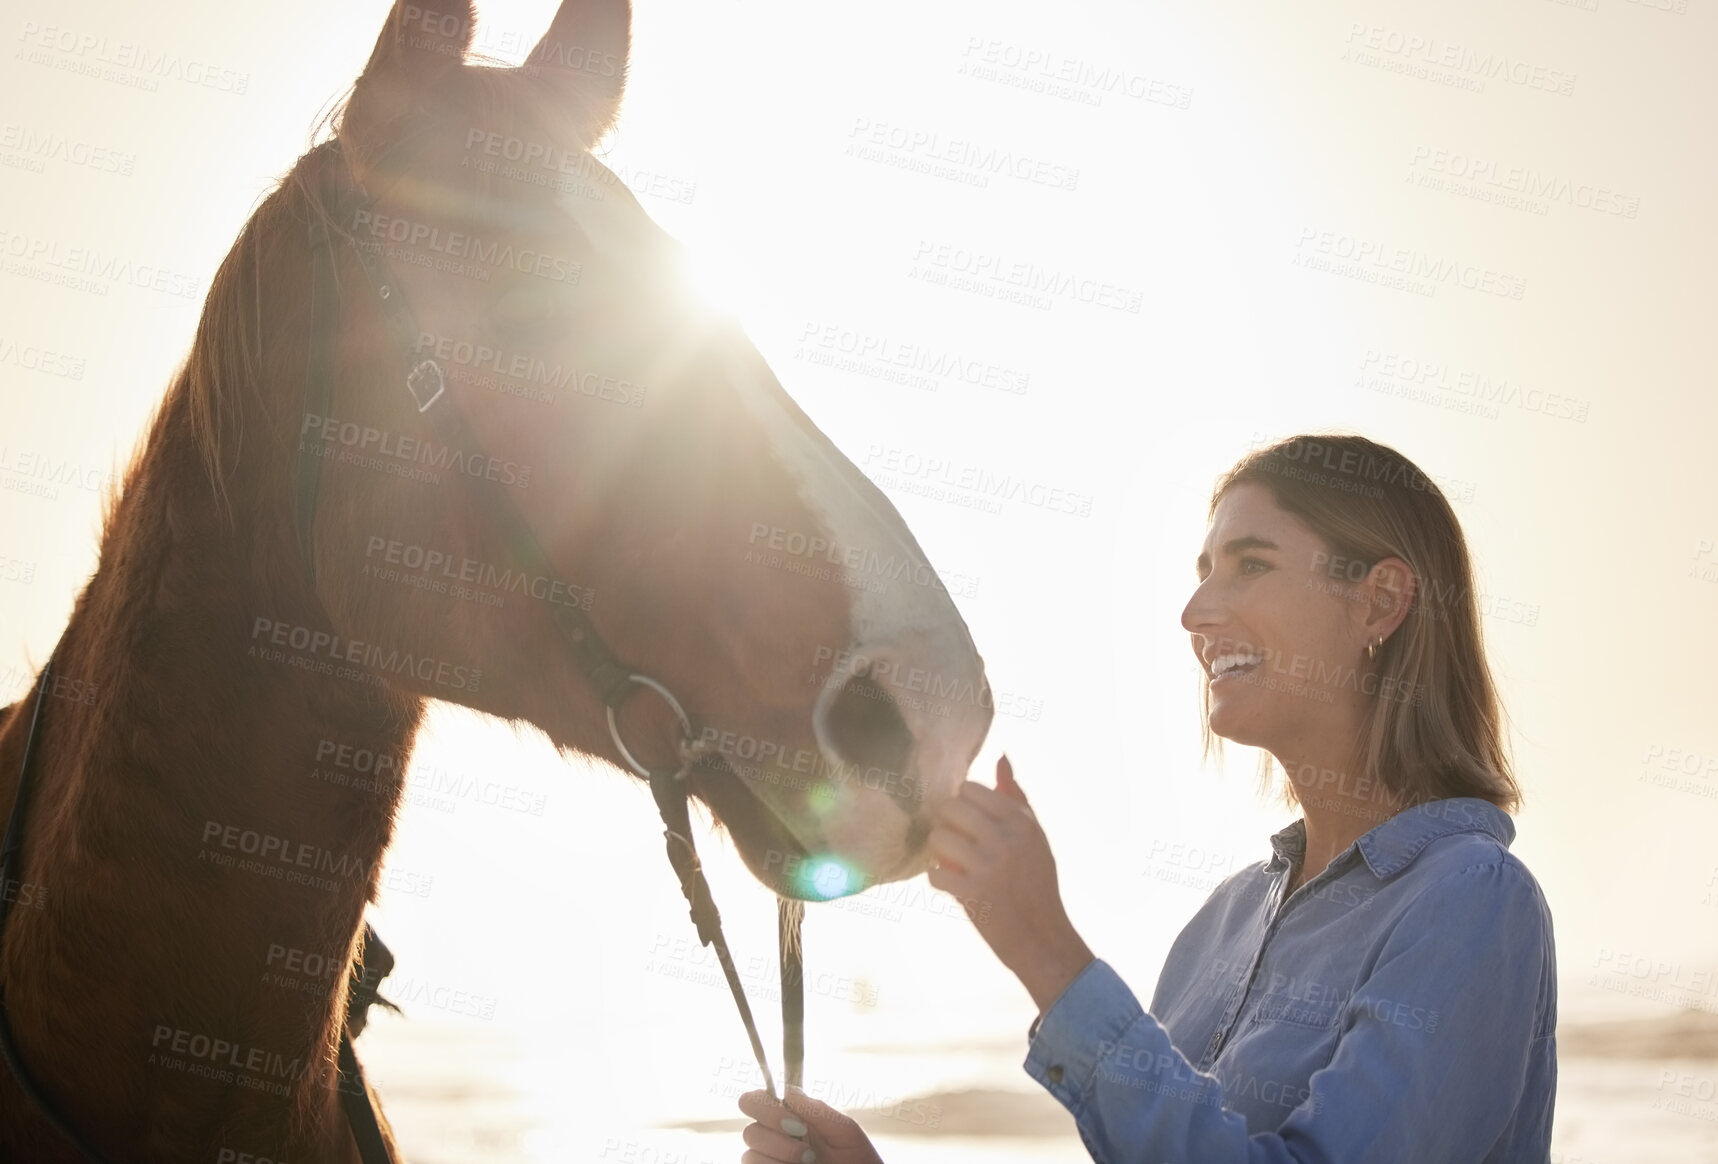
[(182, 832)]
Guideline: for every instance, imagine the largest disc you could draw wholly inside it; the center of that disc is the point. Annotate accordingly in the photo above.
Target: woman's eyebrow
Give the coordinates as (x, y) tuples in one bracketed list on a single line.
[(1235, 546)]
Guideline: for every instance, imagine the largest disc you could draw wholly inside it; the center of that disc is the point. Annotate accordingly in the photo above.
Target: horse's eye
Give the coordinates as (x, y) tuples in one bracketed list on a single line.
[(530, 312)]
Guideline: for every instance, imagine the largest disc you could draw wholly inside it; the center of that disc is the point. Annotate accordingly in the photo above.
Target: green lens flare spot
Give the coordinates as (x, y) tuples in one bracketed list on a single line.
[(821, 799)]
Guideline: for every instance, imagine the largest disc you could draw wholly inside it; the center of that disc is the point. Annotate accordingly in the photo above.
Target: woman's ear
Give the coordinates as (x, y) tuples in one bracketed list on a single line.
[(1387, 591)]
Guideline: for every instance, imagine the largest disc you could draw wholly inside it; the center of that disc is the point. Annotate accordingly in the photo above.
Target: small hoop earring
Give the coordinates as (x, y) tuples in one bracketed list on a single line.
[(1372, 647)]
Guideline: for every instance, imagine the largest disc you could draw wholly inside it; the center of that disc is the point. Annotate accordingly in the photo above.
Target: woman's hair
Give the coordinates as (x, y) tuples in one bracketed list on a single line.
[(1433, 726)]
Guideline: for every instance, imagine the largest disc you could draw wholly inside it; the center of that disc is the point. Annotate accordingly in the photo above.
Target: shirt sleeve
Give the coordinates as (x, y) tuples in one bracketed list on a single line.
[(1430, 1065)]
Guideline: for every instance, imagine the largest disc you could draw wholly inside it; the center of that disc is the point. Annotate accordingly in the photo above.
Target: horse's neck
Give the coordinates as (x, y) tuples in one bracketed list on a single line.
[(196, 853)]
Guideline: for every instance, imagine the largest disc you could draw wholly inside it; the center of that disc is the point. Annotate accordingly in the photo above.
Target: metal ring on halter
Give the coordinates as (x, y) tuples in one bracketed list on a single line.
[(679, 712)]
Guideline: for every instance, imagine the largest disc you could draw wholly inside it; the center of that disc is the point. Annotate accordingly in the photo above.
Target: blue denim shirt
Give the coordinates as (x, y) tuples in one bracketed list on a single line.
[(1400, 1006)]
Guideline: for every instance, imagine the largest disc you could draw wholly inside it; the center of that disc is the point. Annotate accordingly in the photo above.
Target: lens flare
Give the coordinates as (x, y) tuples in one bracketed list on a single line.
[(824, 878), (821, 799)]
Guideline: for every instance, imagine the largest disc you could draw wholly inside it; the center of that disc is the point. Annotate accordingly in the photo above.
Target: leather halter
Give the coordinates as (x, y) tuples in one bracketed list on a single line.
[(613, 682), (426, 387)]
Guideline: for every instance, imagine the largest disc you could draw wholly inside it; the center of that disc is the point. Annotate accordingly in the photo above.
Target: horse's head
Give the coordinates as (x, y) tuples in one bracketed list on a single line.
[(718, 542)]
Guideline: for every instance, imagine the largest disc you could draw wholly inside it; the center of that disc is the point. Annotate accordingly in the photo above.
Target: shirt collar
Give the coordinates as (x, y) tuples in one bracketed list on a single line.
[(1389, 847)]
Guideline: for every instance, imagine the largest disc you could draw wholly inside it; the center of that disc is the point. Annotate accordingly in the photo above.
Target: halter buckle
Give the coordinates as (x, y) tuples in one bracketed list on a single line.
[(420, 381)]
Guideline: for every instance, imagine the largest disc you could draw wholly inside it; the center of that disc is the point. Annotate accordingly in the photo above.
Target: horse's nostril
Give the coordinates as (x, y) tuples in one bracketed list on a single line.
[(864, 729)]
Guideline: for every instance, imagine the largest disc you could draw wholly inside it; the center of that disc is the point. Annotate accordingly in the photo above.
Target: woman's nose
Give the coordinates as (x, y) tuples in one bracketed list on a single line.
[(1200, 611)]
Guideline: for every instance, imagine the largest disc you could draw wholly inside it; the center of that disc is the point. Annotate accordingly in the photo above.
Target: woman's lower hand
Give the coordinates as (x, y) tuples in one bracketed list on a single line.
[(807, 1131)]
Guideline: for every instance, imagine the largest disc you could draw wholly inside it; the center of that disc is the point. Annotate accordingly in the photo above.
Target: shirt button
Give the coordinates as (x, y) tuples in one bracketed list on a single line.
[(1055, 1073)]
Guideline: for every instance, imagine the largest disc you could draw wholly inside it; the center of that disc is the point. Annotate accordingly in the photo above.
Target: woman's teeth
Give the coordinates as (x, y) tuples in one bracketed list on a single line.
[(1223, 664)]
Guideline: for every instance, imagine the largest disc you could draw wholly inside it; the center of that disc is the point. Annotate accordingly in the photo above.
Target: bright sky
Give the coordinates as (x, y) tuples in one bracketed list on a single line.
[(1549, 363)]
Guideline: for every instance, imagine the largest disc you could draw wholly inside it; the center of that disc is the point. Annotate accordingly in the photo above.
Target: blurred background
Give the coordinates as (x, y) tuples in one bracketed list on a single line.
[(1479, 232)]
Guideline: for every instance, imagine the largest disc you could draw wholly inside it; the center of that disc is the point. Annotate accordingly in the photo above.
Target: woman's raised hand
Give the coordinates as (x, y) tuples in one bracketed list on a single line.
[(808, 1130), (991, 854)]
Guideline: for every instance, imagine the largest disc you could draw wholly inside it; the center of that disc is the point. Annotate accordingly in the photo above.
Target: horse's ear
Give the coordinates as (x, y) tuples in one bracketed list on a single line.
[(582, 58), (418, 51)]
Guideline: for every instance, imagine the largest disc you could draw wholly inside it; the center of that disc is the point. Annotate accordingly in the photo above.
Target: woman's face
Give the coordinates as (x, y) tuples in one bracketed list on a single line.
[(1277, 631)]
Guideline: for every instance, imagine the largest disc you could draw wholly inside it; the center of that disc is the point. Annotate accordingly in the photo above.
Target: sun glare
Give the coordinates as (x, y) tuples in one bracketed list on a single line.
[(722, 283)]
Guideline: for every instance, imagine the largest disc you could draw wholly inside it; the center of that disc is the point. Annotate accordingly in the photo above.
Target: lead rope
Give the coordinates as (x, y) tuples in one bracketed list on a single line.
[(668, 787)]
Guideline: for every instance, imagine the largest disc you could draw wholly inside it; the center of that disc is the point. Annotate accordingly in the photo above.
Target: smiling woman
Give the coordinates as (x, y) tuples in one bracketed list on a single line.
[(1345, 518), (1384, 986)]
